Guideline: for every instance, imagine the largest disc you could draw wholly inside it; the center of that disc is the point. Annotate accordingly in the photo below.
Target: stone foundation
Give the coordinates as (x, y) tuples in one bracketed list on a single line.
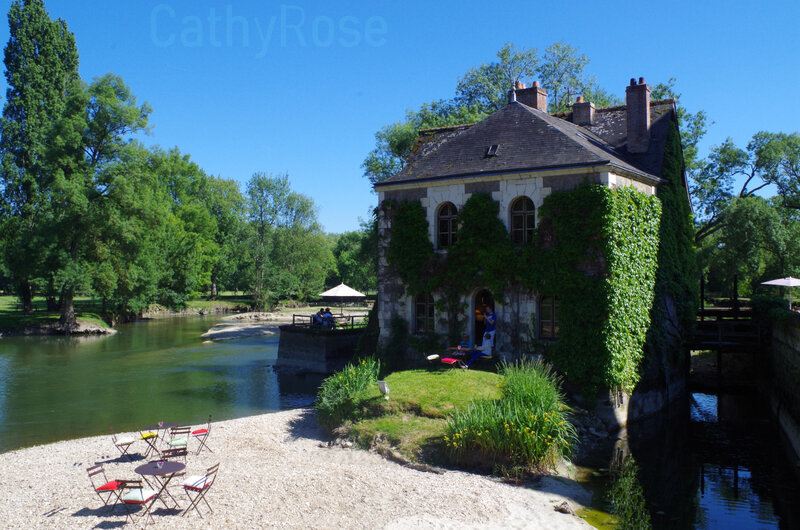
[(316, 350)]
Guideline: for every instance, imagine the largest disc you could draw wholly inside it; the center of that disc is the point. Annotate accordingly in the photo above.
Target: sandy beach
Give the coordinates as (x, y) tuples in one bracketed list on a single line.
[(278, 471)]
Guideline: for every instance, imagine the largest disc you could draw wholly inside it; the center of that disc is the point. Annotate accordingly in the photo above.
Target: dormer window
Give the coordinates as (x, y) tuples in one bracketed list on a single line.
[(492, 150)]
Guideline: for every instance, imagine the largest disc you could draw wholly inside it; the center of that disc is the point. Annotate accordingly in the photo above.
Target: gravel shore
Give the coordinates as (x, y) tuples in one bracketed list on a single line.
[(277, 471)]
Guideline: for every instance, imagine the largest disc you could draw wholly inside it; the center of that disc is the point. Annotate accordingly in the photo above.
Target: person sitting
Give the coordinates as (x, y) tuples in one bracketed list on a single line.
[(327, 319), (465, 343), (484, 350), (317, 318)]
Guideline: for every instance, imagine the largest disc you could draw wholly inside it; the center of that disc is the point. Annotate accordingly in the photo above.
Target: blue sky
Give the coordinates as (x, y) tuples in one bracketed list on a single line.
[(301, 87)]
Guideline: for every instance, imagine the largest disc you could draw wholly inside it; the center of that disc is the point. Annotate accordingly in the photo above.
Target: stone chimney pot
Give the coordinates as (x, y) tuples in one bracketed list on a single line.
[(582, 112), (535, 96), (637, 102)]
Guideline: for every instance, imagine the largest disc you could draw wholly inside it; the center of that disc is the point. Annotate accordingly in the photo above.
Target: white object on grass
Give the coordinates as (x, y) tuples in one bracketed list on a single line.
[(384, 388)]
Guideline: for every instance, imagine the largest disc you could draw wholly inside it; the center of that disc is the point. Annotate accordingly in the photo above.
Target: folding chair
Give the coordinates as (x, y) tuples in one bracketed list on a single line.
[(105, 489), (178, 437), (151, 438), (174, 453), (202, 435), (122, 443), (137, 494), (199, 486)]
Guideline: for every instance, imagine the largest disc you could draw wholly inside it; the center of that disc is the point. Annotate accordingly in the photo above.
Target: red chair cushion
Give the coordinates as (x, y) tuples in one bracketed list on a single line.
[(200, 431), (449, 360), (109, 486)]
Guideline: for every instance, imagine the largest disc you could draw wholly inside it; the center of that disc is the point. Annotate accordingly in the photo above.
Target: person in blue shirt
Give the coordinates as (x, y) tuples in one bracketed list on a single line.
[(465, 343), (484, 350), (490, 321)]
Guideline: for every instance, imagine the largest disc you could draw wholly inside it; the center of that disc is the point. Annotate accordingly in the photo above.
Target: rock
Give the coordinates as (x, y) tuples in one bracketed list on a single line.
[(564, 507)]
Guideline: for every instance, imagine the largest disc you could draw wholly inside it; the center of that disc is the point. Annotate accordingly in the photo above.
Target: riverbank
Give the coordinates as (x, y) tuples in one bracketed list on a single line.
[(278, 471)]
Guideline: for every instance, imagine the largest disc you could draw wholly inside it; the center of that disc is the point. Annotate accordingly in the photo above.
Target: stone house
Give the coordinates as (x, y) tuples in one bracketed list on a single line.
[(518, 155)]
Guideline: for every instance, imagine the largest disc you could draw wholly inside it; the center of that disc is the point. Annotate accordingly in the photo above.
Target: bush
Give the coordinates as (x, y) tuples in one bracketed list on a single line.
[(767, 309), (527, 427), (337, 396)]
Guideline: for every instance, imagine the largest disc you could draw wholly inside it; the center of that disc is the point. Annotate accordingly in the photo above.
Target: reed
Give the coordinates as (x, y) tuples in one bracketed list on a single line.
[(337, 399), (528, 426)]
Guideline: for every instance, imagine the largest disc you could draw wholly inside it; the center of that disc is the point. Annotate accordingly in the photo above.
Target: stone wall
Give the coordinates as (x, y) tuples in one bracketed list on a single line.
[(316, 350), (781, 377)]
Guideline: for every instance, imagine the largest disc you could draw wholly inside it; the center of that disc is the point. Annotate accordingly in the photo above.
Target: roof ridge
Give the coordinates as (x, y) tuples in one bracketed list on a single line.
[(613, 108), (446, 128)]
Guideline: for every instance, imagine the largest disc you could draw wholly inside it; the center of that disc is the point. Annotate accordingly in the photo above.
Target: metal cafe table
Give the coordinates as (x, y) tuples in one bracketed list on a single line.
[(163, 471), (161, 429)]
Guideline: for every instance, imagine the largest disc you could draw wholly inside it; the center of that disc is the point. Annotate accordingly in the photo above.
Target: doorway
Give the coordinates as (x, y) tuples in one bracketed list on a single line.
[(483, 299)]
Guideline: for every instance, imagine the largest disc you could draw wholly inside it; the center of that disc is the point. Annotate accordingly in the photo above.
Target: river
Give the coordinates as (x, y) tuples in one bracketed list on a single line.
[(714, 461), (57, 388)]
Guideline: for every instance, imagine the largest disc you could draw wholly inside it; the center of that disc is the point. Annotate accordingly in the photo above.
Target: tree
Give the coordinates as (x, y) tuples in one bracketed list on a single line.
[(84, 150), (281, 223), (727, 173), (562, 73), (692, 125), (778, 159), (41, 65), (355, 257), (483, 90), (759, 241), (485, 87)]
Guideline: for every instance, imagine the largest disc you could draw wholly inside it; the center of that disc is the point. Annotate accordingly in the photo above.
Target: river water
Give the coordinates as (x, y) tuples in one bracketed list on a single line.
[(714, 461), (57, 388)]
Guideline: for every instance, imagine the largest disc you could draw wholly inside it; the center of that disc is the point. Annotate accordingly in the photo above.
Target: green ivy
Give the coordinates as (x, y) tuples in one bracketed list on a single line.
[(606, 254), (677, 278), (597, 253), (410, 250)]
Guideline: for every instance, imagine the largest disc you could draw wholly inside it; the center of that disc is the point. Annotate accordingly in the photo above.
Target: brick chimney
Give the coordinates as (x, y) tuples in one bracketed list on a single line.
[(582, 112), (637, 100), (535, 96)]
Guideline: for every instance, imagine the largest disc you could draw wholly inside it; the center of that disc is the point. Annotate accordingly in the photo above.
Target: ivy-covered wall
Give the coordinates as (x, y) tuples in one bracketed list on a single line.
[(620, 262), (597, 252)]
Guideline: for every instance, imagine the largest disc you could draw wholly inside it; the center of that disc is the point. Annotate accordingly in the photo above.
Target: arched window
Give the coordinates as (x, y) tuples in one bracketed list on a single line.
[(423, 313), (446, 225), (548, 317), (522, 220)]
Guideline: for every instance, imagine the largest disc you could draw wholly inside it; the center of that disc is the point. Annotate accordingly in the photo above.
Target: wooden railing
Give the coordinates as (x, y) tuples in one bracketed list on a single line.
[(341, 321)]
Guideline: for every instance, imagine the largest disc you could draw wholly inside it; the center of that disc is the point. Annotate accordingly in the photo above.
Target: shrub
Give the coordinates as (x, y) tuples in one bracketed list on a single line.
[(337, 396), (527, 427)]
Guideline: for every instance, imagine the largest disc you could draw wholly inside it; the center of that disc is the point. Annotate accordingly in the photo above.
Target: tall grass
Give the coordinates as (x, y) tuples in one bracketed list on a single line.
[(527, 427), (337, 399)]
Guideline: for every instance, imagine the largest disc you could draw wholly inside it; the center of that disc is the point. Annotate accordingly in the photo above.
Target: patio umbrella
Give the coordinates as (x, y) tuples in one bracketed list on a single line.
[(785, 282), (342, 293)]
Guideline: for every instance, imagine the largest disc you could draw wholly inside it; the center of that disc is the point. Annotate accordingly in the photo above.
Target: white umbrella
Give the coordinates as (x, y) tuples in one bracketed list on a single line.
[(785, 282), (341, 293)]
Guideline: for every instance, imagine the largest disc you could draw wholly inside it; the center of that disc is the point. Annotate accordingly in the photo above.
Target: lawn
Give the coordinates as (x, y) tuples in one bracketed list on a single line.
[(413, 419), (11, 316)]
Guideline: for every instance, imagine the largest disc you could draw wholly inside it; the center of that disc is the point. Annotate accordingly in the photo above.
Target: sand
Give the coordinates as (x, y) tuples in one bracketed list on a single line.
[(278, 471)]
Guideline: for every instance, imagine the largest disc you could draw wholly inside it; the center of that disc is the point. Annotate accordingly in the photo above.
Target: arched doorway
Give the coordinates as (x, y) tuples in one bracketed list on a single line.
[(483, 299)]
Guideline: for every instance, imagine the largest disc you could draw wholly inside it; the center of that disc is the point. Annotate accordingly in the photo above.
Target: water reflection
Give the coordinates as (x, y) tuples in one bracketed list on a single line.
[(54, 388), (714, 462)]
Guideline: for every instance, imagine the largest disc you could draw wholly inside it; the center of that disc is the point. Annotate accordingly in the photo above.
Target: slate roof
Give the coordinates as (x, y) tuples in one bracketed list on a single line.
[(530, 139)]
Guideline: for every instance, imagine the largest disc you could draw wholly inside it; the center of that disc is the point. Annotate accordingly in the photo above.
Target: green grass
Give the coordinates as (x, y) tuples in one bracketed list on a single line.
[(414, 418), (507, 422), (12, 318)]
